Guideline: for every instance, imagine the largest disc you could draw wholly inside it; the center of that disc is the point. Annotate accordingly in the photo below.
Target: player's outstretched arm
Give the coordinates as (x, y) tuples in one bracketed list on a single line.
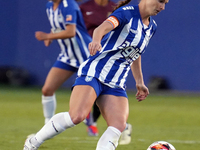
[(64, 34), (142, 90), (98, 34)]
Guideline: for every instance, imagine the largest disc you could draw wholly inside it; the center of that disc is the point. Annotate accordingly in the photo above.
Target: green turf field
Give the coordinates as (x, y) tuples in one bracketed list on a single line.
[(168, 117)]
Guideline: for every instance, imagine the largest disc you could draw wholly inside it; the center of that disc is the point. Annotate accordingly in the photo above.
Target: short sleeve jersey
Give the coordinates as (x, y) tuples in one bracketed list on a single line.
[(120, 47), (74, 50)]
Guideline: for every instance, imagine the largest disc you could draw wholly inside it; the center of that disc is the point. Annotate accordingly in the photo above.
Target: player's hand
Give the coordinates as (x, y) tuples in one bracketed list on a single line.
[(94, 47), (142, 92), (40, 36)]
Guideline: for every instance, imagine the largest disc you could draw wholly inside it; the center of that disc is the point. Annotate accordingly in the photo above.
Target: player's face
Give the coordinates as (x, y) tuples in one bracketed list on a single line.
[(156, 6)]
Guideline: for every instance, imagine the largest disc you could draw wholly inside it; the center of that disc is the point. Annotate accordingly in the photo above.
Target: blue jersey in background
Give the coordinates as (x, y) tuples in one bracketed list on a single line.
[(73, 50)]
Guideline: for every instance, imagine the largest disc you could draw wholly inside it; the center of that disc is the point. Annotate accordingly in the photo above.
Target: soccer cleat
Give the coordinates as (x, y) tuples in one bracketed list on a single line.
[(28, 145), (91, 127), (89, 119), (126, 135), (92, 130)]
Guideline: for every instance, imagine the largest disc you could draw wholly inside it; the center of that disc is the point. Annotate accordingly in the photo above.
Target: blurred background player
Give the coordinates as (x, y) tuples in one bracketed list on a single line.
[(68, 28), (94, 13)]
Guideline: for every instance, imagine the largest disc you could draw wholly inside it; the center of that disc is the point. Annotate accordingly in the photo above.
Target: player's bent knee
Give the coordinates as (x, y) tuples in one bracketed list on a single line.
[(120, 126), (47, 91), (78, 118)]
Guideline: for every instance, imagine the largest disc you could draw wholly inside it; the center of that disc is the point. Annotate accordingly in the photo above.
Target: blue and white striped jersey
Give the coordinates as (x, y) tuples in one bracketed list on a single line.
[(74, 51), (120, 48)]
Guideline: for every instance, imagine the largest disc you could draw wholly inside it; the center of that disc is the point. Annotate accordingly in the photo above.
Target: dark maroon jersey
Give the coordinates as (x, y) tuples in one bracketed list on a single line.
[(95, 14)]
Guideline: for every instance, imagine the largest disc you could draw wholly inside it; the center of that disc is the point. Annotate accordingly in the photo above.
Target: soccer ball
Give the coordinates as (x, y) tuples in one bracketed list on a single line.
[(161, 145)]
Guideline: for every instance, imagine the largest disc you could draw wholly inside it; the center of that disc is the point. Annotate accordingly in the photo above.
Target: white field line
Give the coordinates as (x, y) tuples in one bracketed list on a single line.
[(95, 139), (82, 139), (185, 142), (175, 141)]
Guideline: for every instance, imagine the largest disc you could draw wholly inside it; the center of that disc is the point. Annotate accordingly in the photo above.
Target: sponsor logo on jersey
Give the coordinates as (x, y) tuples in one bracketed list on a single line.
[(89, 13), (88, 78), (129, 52)]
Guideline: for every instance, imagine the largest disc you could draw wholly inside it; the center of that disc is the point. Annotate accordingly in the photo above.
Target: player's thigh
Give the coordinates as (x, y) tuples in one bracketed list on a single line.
[(56, 77), (114, 109), (81, 102)]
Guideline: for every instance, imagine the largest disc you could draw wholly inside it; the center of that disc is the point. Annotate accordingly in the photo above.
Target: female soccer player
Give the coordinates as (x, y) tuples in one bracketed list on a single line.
[(126, 34), (94, 13), (68, 28)]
